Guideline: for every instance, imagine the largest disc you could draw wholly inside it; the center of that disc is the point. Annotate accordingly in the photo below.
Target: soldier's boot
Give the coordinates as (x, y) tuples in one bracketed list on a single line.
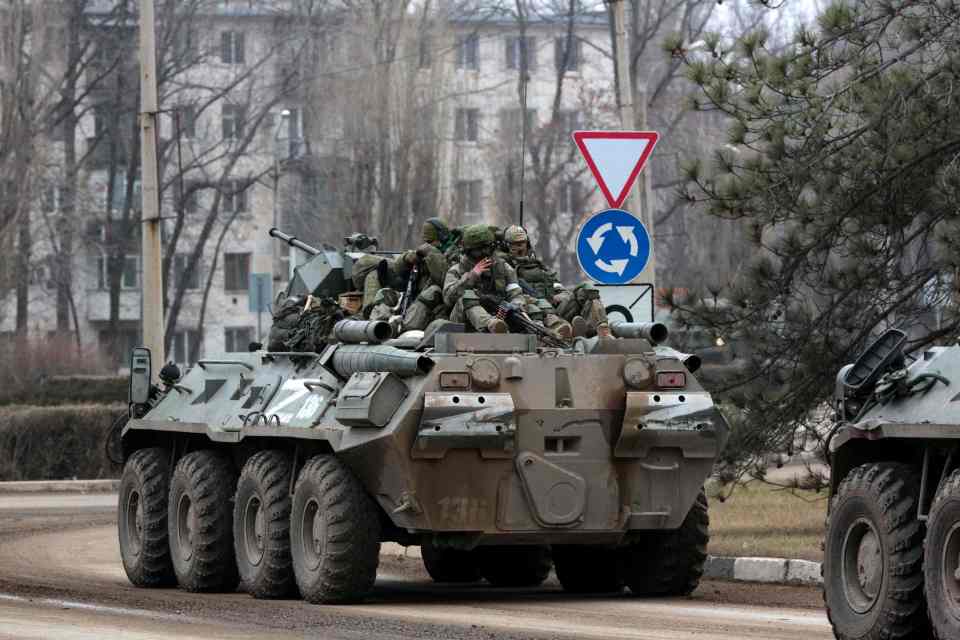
[(603, 330), (579, 326), (384, 303), (480, 320), (496, 325), (558, 325)]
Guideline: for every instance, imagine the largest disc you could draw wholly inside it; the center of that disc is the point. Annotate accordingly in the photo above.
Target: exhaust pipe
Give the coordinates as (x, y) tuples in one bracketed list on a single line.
[(654, 332), (357, 331), (690, 360)]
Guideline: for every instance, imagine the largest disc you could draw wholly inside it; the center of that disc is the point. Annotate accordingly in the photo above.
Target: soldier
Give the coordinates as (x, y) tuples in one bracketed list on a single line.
[(536, 279), (581, 308), (479, 277), (427, 295)]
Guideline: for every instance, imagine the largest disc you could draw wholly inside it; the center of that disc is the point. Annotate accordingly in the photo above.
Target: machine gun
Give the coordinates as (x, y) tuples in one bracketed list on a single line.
[(411, 288), (520, 322)]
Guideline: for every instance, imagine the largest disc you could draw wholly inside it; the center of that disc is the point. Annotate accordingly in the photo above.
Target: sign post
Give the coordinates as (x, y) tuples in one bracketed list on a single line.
[(260, 294)]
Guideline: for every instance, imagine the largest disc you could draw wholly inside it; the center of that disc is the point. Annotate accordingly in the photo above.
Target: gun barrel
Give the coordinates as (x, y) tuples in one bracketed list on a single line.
[(356, 331), (352, 358), (655, 332), (293, 242)]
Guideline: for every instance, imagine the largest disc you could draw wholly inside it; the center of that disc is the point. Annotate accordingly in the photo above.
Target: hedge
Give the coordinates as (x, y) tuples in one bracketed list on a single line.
[(61, 390), (56, 443)]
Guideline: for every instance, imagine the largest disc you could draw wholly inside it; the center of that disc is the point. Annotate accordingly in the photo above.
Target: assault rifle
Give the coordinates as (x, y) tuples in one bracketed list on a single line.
[(411, 287), (520, 322)]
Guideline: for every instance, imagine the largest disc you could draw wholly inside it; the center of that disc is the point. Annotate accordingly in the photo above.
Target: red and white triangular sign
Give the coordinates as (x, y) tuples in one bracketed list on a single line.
[(616, 158)]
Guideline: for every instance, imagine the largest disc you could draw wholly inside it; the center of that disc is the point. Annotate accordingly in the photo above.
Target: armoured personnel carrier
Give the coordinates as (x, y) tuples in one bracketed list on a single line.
[(892, 551), (500, 457)]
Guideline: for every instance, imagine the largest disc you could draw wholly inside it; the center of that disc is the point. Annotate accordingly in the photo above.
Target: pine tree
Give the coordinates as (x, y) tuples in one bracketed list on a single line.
[(843, 165)]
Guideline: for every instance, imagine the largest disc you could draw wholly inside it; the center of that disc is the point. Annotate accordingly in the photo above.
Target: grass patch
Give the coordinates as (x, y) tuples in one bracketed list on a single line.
[(762, 520)]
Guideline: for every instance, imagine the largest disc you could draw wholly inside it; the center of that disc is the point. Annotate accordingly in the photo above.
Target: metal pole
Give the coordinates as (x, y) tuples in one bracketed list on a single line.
[(625, 85), (152, 314)]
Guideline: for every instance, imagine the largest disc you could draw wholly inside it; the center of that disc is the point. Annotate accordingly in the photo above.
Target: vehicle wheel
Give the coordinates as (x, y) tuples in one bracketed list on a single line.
[(514, 566), (200, 519), (587, 568), (670, 563), (261, 525), (873, 555), (142, 518), (334, 533), (449, 565), (942, 565)]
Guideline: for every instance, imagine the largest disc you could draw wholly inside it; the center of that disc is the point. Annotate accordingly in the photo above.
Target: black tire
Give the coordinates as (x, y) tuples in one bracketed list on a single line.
[(450, 565), (670, 563), (334, 533), (261, 525), (588, 568), (142, 518), (942, 553), (873, 555), (515, 566), (200, 519)]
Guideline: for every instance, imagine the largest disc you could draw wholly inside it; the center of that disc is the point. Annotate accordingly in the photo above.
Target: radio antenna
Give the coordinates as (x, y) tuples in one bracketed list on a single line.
[(524, 78)]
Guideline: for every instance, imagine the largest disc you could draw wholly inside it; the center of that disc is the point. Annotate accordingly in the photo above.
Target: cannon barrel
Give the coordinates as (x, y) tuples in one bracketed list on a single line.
[(356, 331), (655, 332), (349, 359), (293, 242), (690, 360)]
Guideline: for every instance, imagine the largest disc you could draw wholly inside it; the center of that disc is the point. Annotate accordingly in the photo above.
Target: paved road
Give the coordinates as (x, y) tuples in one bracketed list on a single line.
[(60, 576)]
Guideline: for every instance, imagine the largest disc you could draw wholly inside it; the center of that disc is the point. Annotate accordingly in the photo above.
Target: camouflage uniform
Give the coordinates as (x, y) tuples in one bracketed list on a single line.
[(468, 293), (303, 324), (427, 303), (372, 274), (583, 302), (540, 283)]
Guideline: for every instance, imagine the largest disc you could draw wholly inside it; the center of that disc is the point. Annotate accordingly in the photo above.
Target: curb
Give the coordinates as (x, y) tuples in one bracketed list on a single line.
[(60, 486), (764, 570)]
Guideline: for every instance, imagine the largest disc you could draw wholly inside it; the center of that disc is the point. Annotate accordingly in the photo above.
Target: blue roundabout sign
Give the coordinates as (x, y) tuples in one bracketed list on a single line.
[(613, 247)]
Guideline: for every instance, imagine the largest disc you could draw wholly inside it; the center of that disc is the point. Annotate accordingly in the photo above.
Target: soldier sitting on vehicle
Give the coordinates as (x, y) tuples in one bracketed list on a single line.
[(373, 275), (303, 323), (536, 280), (581, 307), (479, 278), (426, 286)]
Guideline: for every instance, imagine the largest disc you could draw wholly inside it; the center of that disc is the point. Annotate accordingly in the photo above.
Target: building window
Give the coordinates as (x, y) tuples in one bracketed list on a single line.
[(232, 47), (182, 278), (560, 50), (234, 196), (468, 204), (466, 124), (187, 116), (129, 278), (233, 121), (53, 198), (236, 271), (510, 122), (184, 343), (569, 200), (467, 46), (568, 120), (237, 338), (519, 50), (119, 343)]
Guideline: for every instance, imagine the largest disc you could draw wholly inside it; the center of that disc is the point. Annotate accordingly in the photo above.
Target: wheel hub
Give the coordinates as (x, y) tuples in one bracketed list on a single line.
[(254, 530), (313, 530), (185, 518), (863, 566), (134, 522), (951, 570)]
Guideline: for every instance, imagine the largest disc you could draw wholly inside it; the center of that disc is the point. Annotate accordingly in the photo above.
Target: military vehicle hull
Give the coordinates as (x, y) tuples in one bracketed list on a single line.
[(482, 444), (892, 547)]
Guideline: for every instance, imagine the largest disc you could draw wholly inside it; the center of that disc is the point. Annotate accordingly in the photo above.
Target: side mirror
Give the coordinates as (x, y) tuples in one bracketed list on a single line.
[(140, 376)]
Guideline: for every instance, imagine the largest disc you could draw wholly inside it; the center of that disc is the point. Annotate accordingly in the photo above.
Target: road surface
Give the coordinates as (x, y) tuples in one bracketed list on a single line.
[(60, 576)]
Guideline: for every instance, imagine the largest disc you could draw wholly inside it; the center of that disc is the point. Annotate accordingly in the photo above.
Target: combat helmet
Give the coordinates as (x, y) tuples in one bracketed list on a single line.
[(434, 230), (515, 233), (477, 236)]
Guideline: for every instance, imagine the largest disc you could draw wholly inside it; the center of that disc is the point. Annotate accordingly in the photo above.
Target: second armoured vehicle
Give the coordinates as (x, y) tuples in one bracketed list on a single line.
[(498, 456), (892, 552)]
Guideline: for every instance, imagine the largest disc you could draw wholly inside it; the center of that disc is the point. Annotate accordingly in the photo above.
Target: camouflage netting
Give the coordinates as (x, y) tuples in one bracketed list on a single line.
[(56, 443)]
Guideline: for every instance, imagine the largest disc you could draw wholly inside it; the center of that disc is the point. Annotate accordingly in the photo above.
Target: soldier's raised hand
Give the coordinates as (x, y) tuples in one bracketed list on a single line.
[(482, 267)]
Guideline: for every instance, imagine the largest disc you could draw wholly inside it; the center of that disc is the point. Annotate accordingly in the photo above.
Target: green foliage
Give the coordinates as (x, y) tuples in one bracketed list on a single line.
[(56, 443), (847, 177)]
